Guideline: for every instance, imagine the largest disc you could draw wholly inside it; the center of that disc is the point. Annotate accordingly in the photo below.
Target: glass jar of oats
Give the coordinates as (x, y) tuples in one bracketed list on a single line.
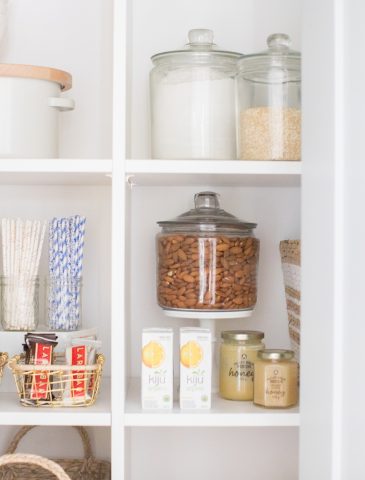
[(269, 115), (276, 379), (238, 353), (207, 261)]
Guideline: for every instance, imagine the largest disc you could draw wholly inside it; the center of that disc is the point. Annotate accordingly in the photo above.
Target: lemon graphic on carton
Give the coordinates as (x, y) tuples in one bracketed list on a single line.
[(153, 354), (191, 354)]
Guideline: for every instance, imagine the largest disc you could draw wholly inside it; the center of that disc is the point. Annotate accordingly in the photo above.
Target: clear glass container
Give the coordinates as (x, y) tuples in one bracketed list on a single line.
[(207, 259), (64, 303), (238, 353), (269, 103), (19, 302), (276, 379), (193, 101)]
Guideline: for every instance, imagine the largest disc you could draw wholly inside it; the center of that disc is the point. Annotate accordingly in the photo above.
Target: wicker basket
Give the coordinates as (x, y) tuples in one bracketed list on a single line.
[(32, 464), (87, 468), (3, 361), (290, 261), (56, 385)]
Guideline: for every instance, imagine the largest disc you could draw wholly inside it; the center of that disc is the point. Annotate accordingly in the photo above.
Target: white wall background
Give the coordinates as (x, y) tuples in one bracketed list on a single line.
[(76, 37), (214, 453)]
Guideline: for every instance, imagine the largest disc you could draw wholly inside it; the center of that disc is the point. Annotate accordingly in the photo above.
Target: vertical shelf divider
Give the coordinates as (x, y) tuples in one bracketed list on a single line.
[(118, 244)]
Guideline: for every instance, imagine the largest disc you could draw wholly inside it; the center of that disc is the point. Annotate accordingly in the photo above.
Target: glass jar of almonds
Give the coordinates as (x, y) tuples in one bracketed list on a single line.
[(207, 260)]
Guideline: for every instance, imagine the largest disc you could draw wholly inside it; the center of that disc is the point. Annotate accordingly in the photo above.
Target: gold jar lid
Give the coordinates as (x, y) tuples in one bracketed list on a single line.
[(242, 335), (275, 354)]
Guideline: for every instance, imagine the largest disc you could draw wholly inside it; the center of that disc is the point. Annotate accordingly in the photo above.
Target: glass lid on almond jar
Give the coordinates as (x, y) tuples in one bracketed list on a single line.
[(207, 216), (200, 49), (207, 262)]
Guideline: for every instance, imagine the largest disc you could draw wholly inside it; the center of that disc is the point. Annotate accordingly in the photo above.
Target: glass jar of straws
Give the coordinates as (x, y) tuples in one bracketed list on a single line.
[(64, 303), (19, 302), (66, 247)]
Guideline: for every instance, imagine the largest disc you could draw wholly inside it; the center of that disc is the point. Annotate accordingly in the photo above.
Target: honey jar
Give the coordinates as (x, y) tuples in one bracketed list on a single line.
[(276, 379), (238, 352)]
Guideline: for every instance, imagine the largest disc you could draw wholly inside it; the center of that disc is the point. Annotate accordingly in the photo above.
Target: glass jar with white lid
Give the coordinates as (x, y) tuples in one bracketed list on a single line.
[(193, 101)]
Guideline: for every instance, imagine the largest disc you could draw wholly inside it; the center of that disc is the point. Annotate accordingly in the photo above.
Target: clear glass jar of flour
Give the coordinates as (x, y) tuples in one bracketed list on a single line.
[(193, 101)]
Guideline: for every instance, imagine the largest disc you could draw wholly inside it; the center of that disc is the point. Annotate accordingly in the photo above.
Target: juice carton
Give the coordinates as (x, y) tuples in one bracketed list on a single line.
[(157, 368), (195, 368)]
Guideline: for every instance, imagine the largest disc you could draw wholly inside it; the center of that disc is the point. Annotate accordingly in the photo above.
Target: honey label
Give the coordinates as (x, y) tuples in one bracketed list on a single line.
[(276, 388), (243, 369)]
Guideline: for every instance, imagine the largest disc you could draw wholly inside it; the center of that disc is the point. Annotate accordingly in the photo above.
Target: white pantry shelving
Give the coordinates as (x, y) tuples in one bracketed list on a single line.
[(105, 172), (215, 172), (12, 413), (222, 414), (51, 171)]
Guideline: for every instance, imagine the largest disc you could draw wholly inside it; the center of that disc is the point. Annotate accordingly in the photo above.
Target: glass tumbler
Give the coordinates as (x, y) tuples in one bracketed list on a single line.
[(64, 303), (19, 302)]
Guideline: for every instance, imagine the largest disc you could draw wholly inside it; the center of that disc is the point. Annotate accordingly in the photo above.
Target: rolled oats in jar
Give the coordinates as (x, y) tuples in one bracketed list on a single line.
[(269, 102), (207, 260)]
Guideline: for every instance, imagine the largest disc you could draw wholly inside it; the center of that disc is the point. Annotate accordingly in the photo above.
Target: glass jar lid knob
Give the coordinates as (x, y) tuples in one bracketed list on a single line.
[(206, 200), (278, 41), (200, 36)]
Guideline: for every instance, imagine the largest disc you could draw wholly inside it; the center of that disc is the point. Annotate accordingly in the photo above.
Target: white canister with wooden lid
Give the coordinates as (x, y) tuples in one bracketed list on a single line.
[(30, 103)]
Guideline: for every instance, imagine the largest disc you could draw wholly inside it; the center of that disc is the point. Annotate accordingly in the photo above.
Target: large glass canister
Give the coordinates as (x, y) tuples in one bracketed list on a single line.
[(193, 101), (268, 96), (207, 260)]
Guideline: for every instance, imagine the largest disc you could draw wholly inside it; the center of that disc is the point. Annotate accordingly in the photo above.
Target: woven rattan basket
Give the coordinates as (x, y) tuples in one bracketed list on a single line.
[(32, 464), (56, 385), (3, 360), (88, 468), (290, 261)]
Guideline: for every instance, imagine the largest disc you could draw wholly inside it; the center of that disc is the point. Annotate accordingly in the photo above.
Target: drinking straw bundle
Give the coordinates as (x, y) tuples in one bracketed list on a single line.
[(22, 242), (66, 247)]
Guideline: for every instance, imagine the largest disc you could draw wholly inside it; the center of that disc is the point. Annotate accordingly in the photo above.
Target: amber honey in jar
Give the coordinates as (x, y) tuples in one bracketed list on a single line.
[(207, 259), (276, 379), (238, 352)]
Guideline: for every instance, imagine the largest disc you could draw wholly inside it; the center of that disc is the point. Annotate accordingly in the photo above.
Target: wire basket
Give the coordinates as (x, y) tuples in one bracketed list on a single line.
[(3, 361), (57, 385), (290, 262)]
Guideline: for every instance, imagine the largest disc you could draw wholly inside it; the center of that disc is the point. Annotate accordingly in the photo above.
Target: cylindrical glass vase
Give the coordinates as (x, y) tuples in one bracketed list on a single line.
[(19, 302), (64, 303)]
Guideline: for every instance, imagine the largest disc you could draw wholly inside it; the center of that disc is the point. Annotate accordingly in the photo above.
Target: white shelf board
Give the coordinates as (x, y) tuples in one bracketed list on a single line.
[(12, 413), (216, 172), (55, 171), (224, 413)]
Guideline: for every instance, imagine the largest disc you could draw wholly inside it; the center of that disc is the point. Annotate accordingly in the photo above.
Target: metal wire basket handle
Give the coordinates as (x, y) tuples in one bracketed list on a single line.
[(24, 430), (35, 460)]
